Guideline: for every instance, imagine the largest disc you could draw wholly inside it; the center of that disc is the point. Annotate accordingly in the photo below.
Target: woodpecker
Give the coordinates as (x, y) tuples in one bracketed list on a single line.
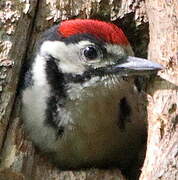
[(75, 99)]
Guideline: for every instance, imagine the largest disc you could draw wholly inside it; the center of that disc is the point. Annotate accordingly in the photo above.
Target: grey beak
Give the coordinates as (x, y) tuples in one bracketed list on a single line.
[(126, 67), (135, 64)]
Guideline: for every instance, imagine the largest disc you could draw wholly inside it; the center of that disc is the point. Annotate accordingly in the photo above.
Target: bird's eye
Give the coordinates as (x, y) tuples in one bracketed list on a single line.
[(91, 53)]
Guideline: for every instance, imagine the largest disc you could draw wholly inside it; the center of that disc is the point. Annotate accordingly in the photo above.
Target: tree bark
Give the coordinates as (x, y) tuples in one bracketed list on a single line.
[(22, 22), (15, 28), (162, 150)]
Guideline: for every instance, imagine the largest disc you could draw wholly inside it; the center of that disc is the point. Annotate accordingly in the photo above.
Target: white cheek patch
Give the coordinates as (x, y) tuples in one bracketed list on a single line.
[(83, 44), (119, 50), (68, 55), (115, 49), (38, 71)]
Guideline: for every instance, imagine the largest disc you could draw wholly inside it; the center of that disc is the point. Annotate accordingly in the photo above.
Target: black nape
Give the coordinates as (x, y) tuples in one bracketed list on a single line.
[(25, 79)]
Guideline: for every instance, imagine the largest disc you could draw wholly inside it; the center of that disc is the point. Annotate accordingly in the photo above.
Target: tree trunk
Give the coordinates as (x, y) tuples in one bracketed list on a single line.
[(22, 22), (162, 150)]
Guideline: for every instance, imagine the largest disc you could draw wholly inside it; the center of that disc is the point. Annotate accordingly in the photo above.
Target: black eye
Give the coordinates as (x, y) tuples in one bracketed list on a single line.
[(90, 52)]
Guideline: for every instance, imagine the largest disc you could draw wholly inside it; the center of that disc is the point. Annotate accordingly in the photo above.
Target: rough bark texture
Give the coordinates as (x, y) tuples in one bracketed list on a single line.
[(13, 43), (22, 22), (162, 150)]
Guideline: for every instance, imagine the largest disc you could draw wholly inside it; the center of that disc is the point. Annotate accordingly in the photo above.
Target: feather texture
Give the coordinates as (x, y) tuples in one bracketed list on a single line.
[(108, 32)]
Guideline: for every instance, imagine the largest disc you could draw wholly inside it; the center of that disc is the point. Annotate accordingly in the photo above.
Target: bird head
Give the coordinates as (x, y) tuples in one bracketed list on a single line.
[(86, 48)]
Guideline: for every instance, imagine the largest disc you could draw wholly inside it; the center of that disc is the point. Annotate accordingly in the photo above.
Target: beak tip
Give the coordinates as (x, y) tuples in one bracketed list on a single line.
[(158, 67), (139, 65)]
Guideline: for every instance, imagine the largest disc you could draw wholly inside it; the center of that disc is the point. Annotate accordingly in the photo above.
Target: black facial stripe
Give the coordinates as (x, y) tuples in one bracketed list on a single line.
[(57, 95), (55, 77), (88, 74), (76, 78)]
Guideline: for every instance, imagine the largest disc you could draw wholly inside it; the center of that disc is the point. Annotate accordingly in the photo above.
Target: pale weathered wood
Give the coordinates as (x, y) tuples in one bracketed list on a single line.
[(162, 152), (15, 26)]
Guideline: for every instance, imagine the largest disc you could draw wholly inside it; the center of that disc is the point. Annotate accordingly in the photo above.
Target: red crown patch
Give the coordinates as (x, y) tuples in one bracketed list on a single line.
[(100, 29)]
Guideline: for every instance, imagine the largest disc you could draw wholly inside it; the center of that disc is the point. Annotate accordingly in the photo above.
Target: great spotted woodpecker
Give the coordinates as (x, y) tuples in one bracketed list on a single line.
[(74, 96)]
